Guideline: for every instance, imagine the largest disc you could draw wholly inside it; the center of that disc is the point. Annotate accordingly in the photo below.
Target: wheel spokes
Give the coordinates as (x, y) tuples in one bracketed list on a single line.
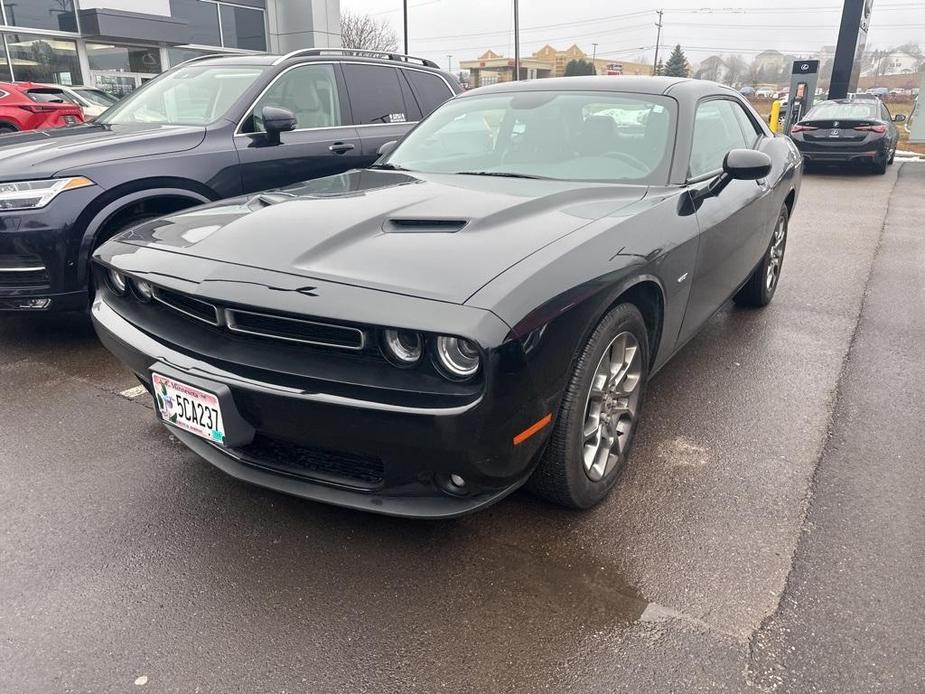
[(610, 412)]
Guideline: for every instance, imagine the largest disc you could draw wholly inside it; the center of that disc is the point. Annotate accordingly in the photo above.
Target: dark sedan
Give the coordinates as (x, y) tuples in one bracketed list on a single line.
[(481, 308), (848, 131)]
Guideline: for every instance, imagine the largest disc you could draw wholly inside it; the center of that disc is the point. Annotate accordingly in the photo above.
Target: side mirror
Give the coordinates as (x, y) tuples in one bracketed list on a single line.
[(387, 147), (277, 120), (738, 165), (746, 165), (899, 118)]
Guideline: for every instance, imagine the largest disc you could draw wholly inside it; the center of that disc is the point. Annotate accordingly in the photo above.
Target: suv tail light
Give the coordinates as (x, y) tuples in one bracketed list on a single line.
[(35, 108), (872, 128), (802, 128)]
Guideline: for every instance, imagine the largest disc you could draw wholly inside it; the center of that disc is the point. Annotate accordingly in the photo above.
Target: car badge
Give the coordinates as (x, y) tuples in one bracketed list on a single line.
[(835, 124)]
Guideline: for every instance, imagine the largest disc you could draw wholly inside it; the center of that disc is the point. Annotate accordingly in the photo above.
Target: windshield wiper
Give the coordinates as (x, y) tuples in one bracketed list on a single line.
[(503, 174), (388, 167)]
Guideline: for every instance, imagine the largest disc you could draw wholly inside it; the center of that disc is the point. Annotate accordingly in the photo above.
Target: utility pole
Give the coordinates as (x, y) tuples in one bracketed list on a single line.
[(405, 14), (449, 64), (658, 40), (516, 40), (593, 52)]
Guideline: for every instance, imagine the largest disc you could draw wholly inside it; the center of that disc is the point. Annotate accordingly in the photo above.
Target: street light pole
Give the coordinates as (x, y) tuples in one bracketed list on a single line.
[(658, 40), (449, 64), (405, 15), (516, 40)]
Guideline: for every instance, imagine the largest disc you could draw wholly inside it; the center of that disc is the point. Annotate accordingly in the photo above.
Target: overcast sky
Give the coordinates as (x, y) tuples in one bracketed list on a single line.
[(626, 30)]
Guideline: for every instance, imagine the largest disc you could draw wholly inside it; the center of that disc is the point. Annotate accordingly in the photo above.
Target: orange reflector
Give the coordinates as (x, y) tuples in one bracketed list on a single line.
[(531, 430)]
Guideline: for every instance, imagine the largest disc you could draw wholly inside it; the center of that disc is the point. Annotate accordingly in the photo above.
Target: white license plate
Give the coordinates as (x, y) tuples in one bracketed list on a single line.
[(191, 409)]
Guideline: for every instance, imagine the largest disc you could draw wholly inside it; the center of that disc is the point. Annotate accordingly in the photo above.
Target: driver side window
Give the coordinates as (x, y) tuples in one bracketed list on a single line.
[(309, 91), (716, 132)]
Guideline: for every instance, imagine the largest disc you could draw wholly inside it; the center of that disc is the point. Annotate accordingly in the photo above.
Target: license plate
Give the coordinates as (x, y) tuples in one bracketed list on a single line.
[(191, 409), (834, 133)]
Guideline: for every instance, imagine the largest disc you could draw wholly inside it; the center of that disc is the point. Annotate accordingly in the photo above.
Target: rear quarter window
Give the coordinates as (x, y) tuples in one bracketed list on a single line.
[(376, 96), (430, 90)]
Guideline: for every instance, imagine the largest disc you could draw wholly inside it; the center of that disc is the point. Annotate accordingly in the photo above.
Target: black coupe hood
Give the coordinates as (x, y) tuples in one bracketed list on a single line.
[(432, 236), (45, 153)]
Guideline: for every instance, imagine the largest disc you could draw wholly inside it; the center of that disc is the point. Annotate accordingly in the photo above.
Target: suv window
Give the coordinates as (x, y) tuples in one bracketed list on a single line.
[(309, 91), (47, 96), (375, 95), (716, 131), (430, 89)]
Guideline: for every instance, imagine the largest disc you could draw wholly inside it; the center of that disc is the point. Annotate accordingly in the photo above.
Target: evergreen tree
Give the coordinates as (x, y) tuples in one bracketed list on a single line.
[(579, 67), (677, 64)]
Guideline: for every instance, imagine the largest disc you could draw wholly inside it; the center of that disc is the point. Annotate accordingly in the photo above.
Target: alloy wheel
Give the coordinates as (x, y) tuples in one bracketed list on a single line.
[(612, 404), (776, 254)]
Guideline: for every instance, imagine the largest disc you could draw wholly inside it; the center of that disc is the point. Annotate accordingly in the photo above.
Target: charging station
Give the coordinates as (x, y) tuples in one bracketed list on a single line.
[(803, 79)]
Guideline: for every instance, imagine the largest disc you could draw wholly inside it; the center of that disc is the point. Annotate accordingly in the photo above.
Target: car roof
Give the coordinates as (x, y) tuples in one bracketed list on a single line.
[(680, 86)]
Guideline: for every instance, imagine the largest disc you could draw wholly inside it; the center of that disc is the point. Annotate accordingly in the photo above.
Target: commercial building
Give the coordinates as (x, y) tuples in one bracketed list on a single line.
[(120, 44), (490, 67)]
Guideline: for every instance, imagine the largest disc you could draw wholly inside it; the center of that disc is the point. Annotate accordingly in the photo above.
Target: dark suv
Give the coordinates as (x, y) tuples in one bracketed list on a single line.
[(210, 128)]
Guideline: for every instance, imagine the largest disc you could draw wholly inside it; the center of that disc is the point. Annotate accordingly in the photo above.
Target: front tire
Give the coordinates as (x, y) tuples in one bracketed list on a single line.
[(597, 418), (761, 286)]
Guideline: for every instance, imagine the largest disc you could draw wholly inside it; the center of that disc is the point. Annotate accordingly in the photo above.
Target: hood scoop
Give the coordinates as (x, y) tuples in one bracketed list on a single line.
[(423, 226)]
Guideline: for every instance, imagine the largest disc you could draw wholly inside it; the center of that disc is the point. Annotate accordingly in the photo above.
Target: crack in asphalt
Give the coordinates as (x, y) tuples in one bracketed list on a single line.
[(766, 679)]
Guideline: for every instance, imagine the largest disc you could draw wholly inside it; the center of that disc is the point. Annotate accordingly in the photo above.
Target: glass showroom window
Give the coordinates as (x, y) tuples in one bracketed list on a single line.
[(243, 28), (54, 15), (202, 18), (43, 59), (5, 74), (181, 55), (105, 56)]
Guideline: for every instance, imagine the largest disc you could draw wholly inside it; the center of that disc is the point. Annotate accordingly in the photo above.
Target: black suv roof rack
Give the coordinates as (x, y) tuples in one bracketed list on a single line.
[(357, 52)]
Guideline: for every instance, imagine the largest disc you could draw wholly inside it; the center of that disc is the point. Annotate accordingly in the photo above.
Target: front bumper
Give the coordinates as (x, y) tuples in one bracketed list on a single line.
[(373, 456), (42, 263)]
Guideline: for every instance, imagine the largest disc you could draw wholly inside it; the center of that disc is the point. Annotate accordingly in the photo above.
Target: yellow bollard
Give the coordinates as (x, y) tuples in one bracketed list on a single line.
[(775, 115)]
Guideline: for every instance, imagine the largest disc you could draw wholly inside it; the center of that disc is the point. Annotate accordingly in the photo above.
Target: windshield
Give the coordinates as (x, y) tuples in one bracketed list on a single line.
[(194, 95), (593, 136), (96, 97), (862, 110)]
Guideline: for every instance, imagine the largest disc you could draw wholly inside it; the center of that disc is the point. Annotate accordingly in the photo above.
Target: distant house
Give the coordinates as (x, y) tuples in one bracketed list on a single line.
[(898, 62), (712, 68)]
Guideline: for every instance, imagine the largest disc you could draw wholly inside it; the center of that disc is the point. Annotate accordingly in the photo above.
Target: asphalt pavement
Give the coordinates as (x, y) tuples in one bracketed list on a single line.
[(767, 534)]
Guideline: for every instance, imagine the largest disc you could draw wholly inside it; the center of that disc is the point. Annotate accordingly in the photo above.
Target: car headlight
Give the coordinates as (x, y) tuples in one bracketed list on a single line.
[(117, 281), (458, 357), (403, 347), (143, 290), (27, 195)]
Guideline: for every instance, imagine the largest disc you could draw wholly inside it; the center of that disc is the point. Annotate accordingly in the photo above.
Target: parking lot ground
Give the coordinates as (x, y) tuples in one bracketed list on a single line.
[(122, 555)]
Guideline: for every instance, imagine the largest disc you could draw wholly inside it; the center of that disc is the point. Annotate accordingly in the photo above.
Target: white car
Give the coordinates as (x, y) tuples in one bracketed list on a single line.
[(93, 101)]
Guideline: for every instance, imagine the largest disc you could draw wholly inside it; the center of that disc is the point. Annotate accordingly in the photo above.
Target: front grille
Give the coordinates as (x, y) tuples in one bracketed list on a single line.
[(344, 469), (294, 329), (194, 308), (22, 271), (263, 325)]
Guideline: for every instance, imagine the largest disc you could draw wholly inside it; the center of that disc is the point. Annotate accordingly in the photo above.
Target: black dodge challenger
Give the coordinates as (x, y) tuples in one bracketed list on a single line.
[(480, 309)]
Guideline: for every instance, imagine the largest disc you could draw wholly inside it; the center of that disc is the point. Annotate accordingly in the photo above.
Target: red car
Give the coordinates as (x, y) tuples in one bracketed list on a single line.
[(30, 106)]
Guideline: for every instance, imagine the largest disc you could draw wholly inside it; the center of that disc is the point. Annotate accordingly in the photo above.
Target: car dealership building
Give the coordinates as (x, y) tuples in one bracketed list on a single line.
[(118, 45)]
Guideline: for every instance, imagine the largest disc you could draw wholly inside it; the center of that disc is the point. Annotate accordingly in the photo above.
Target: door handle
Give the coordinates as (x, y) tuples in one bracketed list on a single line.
[(341, 147)]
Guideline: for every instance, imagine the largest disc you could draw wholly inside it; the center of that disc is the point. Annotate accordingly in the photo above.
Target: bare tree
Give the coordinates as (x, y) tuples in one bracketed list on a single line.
[(736, 69), (364, 32)]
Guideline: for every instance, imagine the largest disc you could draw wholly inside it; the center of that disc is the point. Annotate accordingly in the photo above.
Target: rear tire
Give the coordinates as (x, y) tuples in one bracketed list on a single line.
[(597, 418), (761, 286), (880, 165), (892, 157), (5, 129)]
